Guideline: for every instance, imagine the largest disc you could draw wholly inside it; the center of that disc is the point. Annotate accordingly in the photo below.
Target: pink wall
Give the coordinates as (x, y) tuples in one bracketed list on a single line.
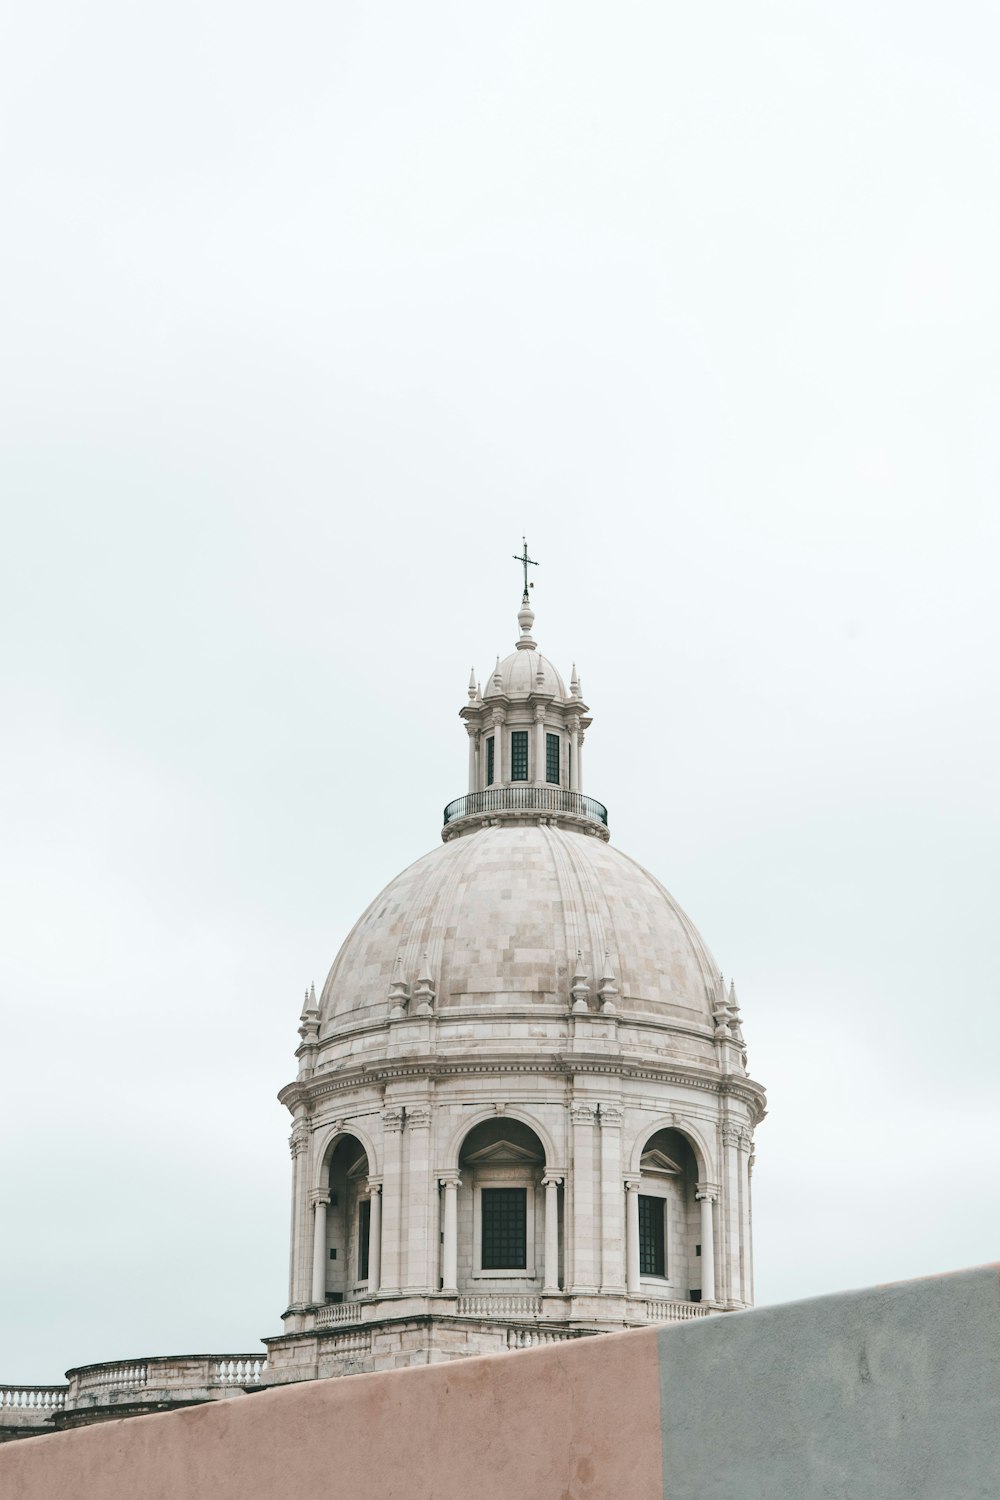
[(576, 1419)]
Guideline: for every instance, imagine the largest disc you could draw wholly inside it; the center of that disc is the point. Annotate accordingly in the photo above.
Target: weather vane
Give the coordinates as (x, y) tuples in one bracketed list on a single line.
[(526, 562)]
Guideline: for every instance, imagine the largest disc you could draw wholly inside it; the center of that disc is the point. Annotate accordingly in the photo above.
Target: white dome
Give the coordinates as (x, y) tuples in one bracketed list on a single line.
[(518, 676), (505, 916)]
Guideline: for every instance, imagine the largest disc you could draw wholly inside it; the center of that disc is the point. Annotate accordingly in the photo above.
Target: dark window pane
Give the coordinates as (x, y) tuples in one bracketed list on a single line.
[(490, 752), (552, 759), (505, 1229), (652, 1250), (364, 1227), (519, 755)]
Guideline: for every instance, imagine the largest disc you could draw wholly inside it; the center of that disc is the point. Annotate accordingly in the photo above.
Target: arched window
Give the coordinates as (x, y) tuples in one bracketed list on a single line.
[(348, 1219), (669, 1218), (502, 1163)]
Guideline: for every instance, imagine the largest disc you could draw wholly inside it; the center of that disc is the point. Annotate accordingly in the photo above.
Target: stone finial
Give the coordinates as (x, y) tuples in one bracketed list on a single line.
[(581, 989), (309, 1019), (473, 688), (574, 683), (721, 1013), (734, 1011), (497, 679), (526, 618), (424, 992), (399, 991), (608, 988)]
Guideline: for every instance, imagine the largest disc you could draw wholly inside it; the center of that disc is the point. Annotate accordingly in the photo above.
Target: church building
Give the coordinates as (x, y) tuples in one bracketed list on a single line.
[(522, 1110)]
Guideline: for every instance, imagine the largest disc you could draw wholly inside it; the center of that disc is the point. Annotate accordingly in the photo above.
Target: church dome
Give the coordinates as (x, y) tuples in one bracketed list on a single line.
[(514, 916), (522, 673)]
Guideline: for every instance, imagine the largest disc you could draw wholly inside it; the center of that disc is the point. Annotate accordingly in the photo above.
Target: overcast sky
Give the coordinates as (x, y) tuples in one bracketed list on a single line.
[(309, 312)]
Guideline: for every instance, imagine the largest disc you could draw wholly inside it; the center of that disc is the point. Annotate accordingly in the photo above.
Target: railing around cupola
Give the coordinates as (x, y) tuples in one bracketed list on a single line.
[(529, 799)]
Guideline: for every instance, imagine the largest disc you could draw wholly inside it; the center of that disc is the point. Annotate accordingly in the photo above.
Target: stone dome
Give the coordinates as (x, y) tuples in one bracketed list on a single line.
[(510, 917), (522, 673)]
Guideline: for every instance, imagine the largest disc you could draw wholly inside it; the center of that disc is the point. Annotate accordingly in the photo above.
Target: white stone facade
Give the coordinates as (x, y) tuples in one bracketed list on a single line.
[(522, 1109)]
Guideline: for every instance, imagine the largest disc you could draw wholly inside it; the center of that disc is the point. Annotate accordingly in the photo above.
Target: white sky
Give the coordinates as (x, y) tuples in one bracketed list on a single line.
[(309, 311)]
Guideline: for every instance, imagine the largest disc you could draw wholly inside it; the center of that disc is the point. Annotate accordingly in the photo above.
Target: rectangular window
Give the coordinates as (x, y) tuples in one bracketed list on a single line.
[(505, 1229), (552, 759), (652, 1241), (490, 760), (364, 1226), (519, 755)]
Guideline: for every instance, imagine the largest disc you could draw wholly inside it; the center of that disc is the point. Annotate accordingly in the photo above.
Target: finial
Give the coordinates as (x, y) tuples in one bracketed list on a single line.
[(526, 563), (472, 686), (581, 989), (399, 991), (497, 679), (424, 992), (608, 989), (574, 683)]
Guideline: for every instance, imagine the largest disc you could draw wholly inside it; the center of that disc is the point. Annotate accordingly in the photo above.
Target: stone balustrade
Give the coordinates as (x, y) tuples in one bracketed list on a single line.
[(333, 1314), (499, 1305), (666, 1310), (28, 1406), (530, 1338)]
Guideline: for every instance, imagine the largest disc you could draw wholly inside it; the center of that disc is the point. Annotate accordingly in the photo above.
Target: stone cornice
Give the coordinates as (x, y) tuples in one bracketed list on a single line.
[(311, 1092)]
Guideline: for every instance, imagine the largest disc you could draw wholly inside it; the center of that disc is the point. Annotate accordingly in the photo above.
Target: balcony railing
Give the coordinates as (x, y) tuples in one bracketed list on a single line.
[(530, 799)]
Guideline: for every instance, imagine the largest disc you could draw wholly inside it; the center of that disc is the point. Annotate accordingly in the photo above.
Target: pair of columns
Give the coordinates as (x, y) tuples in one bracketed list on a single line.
[(706, 1196), (450, 1185), (320, 1201)]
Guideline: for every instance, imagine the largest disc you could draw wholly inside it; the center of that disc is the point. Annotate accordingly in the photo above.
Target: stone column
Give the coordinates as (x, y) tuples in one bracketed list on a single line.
[(298, 1144), (539, 776), (319, 1200), (612, 1207), (746, 1247), (374, 1236), (579, 761), (392, 1202), (583, 1278), (632, 1276), (706, 1195), (574, 753), (498, 739), (473, 748), (730, 1204), (420, 1274), (550, 1281), (449, 1228)]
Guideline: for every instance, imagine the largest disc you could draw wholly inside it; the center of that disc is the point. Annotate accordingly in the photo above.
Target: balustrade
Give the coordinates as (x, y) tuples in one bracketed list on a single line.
[(32, 1397), (663, 1310), (526, 798), (497, 1305), (334, 1313)]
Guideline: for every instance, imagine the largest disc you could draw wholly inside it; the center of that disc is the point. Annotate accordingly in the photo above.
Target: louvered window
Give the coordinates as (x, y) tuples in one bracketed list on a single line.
[(652, 1240), (505, 1229), (519, 755)]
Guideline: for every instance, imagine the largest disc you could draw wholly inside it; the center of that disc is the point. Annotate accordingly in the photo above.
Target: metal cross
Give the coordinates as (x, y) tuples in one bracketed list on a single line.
[(526, 562)]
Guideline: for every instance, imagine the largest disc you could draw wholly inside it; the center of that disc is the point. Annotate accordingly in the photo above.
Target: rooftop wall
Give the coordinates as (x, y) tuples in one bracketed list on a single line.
[(892, 1393)]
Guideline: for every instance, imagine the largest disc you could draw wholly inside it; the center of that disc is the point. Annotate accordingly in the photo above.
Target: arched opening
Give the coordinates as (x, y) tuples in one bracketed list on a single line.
[(501, 1208), (347, 1245), (669, 1218)]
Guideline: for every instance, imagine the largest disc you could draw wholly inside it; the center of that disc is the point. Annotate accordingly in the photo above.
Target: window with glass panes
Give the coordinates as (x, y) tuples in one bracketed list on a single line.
[(652, 1241), (364, 1225), (519, 755), (505, 1229), (552, 759), (490, 760)]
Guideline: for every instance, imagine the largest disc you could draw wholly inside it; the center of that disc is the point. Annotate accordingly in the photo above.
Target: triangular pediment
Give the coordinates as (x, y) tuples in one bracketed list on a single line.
[(503, 1153), (358, 1168), (656, 1161)]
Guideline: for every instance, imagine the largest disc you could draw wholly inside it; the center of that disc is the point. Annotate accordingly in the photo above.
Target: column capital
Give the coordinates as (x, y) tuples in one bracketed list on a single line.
[(633, 1184), (550, 1180), (611, 1115), (374, 1185), (472, 730), (539, 713), (582, 1114), (707, 1190), (499, 716), (392, 1119), (318, 1196), (419, 1117), (730, 1133), (450, 1179)]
